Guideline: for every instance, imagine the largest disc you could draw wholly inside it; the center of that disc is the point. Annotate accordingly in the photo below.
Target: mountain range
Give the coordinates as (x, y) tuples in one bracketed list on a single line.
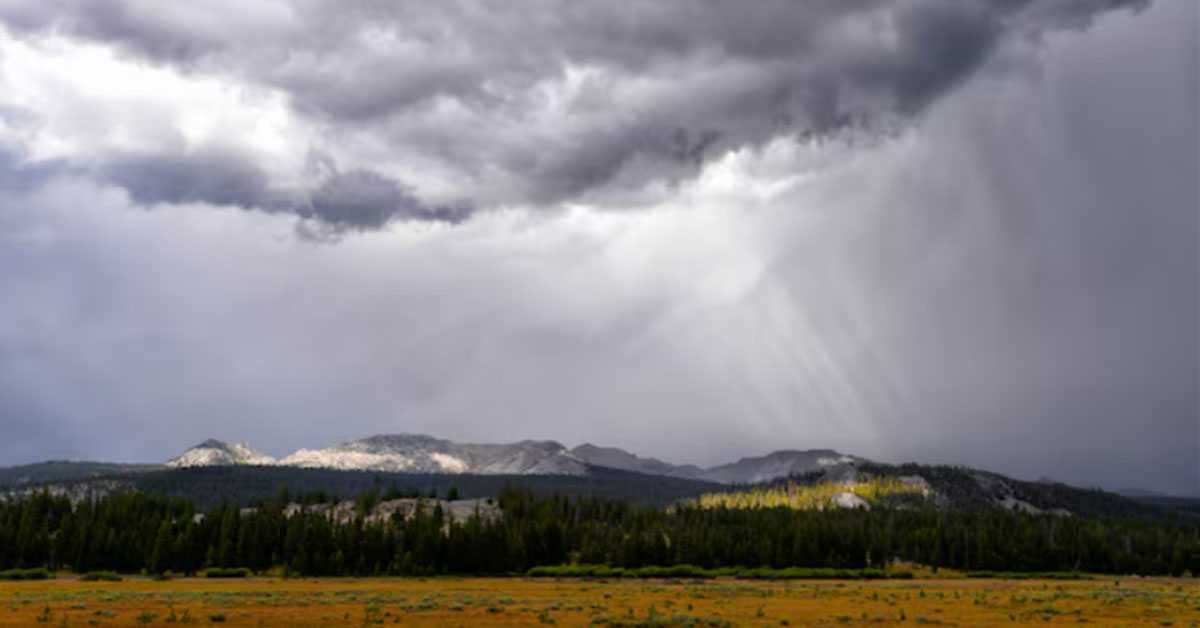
[(419, 453), (214, 471)]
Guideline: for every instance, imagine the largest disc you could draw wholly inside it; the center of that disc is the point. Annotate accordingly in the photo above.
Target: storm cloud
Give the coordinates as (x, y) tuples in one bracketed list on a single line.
[(562, 102), (938, 230), (208, 175), (363, 199)]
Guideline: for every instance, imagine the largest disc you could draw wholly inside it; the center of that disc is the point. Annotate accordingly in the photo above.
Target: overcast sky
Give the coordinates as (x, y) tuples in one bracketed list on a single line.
[(952, 231)]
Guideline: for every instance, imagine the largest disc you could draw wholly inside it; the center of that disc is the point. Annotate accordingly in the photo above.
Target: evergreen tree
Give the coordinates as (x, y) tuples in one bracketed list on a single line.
[(133, 532), (160, 557)]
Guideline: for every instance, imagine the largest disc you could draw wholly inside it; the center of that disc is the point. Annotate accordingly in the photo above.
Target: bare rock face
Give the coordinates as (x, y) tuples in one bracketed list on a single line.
[(917, 482), (457, 511), (219, 453), (781, 464), (846, 499), (419, 453)]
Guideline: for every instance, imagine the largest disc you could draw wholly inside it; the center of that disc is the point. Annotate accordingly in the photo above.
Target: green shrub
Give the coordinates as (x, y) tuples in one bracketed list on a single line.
[(604, 571), (692, 571), (576, 571), (808, 573), (101, 576), (674, 571), (1031, 575), (237, 572), (39, 573)]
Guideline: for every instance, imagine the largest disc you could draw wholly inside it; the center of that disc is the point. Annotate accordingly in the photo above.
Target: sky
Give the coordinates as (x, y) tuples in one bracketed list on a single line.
[(945, 231)]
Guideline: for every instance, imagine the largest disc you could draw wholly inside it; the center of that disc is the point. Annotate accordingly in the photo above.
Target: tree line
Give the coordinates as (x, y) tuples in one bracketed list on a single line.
[(138, 532)]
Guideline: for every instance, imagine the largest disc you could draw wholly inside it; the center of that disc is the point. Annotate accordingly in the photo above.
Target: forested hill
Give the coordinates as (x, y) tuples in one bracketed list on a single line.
[(245, 485), (945, 488), (1184, 505), (54, 471), (970, 489), (855, 484)]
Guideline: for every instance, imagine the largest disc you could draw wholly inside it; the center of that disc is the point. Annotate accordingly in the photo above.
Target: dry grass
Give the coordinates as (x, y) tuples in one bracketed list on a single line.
[(519, 601)]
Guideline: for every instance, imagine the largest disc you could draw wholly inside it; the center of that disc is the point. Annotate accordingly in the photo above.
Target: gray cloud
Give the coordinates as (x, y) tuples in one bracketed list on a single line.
[(562, 102), (1008, 280), (19, 174), (210, 175), (361, 199), (354, 200)]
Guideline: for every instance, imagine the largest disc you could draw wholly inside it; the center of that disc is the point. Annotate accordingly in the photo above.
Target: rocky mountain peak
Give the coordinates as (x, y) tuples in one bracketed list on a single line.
[(213, 452), (421, 453)]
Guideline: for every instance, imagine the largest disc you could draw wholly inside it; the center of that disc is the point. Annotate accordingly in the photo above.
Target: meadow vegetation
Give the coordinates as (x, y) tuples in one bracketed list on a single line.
[(694, 572), (271, 601)]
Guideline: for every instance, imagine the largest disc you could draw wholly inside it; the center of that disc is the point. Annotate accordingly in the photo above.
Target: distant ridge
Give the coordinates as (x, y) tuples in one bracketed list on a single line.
[(213, 452), (215, 470), (780, 464), (421, 453), (615, 458)]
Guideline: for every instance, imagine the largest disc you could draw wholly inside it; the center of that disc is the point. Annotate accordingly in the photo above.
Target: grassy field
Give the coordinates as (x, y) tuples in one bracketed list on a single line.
[(68, 601)]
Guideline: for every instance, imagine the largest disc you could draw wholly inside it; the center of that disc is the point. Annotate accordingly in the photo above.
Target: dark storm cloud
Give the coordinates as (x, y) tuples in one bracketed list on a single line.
[(220, 177), (133, 24), (555, 100), (361, 199), (354, 200)]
